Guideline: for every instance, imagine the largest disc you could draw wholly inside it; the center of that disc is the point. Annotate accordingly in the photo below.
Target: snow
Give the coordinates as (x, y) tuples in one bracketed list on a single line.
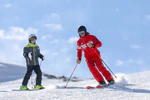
[(128, 87)]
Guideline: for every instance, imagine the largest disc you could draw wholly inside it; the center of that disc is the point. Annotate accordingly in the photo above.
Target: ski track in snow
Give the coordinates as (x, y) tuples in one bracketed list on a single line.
[(128, 87)]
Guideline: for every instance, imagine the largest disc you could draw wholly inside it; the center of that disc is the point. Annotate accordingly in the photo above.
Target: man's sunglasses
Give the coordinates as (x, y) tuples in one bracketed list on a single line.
[(81, 32)]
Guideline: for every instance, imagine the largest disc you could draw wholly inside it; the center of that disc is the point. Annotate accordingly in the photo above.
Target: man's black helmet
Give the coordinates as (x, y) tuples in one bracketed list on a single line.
[(82, 28)]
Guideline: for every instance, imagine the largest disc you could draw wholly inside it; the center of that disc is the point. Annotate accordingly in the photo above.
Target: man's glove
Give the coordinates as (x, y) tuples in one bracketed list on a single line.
[(30, 55), (90, 45), (78, 61)]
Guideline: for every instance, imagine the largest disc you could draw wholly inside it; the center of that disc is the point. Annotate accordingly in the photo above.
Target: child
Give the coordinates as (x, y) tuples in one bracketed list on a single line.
[(31, 54), (89, 44)]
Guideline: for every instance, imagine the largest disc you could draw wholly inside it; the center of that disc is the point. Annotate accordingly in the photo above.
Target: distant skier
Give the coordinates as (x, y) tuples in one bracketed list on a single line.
[(31, 54), (89, 44)]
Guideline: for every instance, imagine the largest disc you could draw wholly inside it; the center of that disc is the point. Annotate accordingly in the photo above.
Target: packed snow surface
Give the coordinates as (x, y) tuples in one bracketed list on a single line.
[(128, 87)]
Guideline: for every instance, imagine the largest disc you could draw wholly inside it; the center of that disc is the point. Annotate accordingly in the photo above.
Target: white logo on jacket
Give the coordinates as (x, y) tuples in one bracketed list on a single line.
[(83, 46)]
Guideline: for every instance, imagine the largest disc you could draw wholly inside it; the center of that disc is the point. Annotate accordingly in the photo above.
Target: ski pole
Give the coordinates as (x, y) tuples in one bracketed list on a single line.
[(70, 76), (32, 83), (109, 68), (105, 64)]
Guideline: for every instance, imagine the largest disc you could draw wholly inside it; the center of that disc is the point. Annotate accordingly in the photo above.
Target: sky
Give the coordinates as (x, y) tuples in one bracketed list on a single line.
[(122, 27)]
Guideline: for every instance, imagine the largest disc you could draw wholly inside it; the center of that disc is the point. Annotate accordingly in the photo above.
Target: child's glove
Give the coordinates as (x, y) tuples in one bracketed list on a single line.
[(43, 58)]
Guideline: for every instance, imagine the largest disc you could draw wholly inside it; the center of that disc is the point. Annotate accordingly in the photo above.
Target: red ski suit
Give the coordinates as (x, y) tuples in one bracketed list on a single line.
[(92, 56)]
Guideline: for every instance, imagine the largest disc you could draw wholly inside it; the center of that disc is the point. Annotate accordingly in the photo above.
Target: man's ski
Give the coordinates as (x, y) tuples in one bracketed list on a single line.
[(93, 87), (97, 87)]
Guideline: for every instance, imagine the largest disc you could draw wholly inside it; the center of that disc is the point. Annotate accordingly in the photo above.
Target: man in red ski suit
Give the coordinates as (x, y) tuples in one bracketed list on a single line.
[(89, 44)]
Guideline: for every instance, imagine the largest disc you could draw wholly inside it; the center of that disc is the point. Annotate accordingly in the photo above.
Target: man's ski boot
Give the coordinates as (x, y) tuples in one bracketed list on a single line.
[(24, 87), (39, 87), (111, 82), (101, 84)]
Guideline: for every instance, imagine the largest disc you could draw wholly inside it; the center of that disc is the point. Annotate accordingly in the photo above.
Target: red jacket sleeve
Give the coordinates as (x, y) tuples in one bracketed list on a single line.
[(97, 43), (79, 53), (79, 50)]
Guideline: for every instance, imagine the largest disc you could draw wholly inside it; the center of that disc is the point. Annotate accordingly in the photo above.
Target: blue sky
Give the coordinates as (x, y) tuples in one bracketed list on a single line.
[(122, 27)]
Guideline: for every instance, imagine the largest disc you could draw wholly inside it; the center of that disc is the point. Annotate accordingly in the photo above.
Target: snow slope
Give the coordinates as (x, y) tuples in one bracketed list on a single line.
[(10, 72), (128, 87)]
